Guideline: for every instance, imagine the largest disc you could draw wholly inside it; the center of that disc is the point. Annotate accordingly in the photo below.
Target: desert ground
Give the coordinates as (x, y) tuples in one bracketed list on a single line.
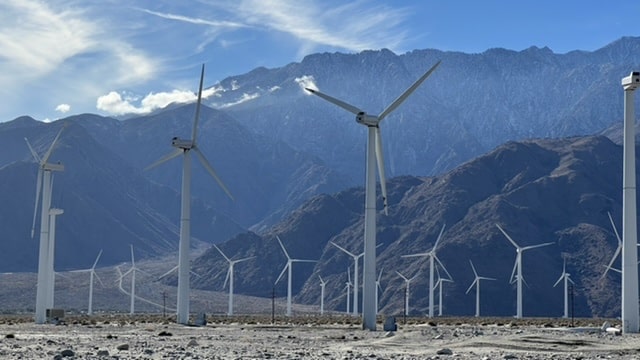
[(146, 336)]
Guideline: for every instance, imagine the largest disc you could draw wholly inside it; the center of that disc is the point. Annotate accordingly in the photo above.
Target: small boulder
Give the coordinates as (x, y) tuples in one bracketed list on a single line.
[(445, 351), (67, 353), (123, 347)]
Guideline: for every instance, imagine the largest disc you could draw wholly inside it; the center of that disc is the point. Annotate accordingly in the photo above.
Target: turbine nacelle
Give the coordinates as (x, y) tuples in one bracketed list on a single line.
[(367, 120), (52, 167), (182, 143)]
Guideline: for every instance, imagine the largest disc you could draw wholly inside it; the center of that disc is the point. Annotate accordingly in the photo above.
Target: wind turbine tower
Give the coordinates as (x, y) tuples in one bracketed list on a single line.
[(288, 267), (476, 282), (322, 285), (43, 184), (630, 310), (53, 212), (374, 153), (229, 277), (348, 286), (516, 273), (432, 269), (407, 282), (566, 277), (184, 147)]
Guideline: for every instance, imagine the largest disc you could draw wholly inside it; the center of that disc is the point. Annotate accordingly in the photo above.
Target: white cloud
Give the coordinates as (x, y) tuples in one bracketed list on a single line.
[(63, 108), (114, 103), (306, 81), (244, 98)]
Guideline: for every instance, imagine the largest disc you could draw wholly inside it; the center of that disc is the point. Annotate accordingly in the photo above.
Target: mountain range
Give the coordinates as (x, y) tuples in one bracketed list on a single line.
[(294, 164)]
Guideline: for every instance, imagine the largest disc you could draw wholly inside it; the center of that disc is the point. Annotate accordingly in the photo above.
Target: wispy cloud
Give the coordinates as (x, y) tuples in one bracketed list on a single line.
[(197, 21)]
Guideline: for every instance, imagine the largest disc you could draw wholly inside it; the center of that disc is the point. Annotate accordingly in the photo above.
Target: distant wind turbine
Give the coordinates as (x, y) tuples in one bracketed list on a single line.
[(516, 274), (289, 267), (132, 271), (229, 277), (184, 147), (476, 282), (43, 184), (356, 274), (374, 153), (432, 264), (378, 289), (407, 282), (618, 249), (92, 274), (439, 283), (348, 286), (322, 285), (566, 277)]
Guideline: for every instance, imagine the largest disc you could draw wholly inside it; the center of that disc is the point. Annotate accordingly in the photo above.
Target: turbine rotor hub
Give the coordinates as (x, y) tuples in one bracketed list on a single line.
[(367, 120)]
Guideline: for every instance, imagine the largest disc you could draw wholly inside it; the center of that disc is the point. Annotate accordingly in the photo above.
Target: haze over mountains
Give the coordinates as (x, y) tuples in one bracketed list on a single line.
[(295, 164)]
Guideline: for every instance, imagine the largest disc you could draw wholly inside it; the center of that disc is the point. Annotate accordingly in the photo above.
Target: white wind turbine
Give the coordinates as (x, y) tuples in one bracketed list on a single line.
[(289, 267), (374, 153), (229, 277), (184, 147), (439, 283), (618, 249), (322, 285), (132, 271), (43, 184), (378, 289), (516, 273), (407, 282), (476, 282), (92, 274), (53, 212), (356, 274), (566, 277), (348, 286), (433, 258)]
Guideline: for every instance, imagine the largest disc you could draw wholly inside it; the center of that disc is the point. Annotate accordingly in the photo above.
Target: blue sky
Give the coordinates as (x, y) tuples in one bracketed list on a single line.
[(64, 57)]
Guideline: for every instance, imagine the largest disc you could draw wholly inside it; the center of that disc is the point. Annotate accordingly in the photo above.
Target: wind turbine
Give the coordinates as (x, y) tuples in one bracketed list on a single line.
[(516, 273), (43, 184), (132, 271), (476, 282), (355, 275), (566, 277), (92, 274), (184, 147), (374, 153), (407, 282), (378, 289), (322, 285), (288, 267), (618, 249), (53, 212), (439, 283), (229, 277), (432, 265), (348, 286)]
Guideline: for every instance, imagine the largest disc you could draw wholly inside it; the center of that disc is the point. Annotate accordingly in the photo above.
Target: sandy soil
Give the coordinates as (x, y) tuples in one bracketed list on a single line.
[(332, 337)]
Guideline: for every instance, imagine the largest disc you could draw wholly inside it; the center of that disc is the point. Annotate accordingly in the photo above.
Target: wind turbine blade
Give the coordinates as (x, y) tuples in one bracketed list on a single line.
[(343, 249), (407, 92), (381, 175), (168, 272), (537, 246), (559, 279), (416, 255), (97, 259), (282, 273), (513, 272), (380, 275), (98, 277), (45, 158), (471, 286), (613, 259), (473, 268), (133, 261), (349, 275), (508, 237), (221, 253), (35, 209), (283, 249), (442, 265), (321, 281), (174, 153), (33, 152), (613, 225), (350, 108), (402, 276), (299, 260), (571, 281), (226, 278), (197, 116), (435, 245), (486, 278), (209, 168), (245, 259), (525, 281)]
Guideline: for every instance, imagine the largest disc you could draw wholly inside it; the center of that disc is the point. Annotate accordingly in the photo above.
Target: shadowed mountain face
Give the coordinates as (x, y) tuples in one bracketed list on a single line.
[(539, 191)]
